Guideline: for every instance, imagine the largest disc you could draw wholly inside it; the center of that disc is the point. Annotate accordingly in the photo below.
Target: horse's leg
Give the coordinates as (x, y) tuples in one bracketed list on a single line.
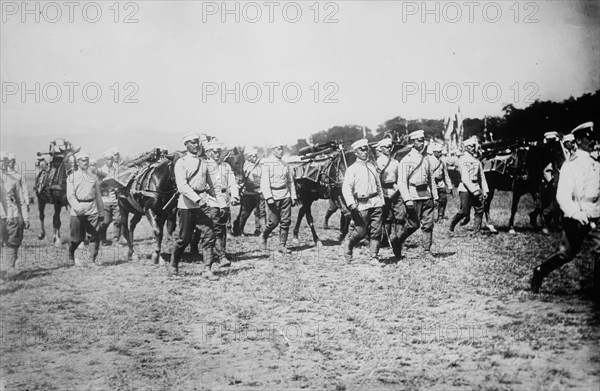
[(56, 224), (159, 223), (301, 213), (517, 193), (486, 210), (310, 222), (132, 224), (42, 214)]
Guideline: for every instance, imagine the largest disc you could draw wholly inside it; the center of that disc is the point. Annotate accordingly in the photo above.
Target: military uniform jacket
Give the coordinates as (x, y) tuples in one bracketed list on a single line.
[(224, 183), (390, 175), (362, 186), (193, 181), (109, 195), (440, 173), (416, 178), (579, 186), (12, 197), (252, 174), (471, 174), (83, 193), (276, 180)]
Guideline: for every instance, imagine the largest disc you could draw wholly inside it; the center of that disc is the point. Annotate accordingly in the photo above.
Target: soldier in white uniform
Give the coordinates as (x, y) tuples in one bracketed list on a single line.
[(441, 178), (194, 185), (473, 188), (418, 190), (14, 216), (393, 212), (109, 199), (226, 194), (363, 194), (85, 199), (279, 191), (578, 196)]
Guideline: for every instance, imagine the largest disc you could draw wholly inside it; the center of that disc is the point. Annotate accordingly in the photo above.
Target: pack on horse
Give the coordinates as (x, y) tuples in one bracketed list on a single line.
[(321, 177), (523, 167), (51, 184), (148, 191)]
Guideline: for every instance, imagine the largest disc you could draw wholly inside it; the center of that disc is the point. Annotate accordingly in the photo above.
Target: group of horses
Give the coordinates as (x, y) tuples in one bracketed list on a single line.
[(518, 167)]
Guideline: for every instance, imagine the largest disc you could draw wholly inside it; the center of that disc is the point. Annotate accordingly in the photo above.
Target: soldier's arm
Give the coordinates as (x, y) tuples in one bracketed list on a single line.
[(71, 193), (265, 183), (564, 192), (98, 197), (403, 182), (182, 182), (347, 188)]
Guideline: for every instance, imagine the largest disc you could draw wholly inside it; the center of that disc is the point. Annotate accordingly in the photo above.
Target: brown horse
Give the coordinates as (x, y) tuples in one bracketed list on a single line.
[(51, 185)]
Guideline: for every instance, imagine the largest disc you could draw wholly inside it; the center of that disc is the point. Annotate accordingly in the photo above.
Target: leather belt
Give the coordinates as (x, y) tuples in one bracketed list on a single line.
[(279, 187), (388, 185), (87, 200), (367, 197)]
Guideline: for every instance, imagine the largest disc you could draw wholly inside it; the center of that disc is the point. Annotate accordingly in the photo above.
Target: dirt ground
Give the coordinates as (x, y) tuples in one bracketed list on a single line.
[(463, 321)]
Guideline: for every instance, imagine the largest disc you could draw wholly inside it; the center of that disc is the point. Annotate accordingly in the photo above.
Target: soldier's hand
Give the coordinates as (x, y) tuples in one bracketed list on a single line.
[(581, 218), (294, 202), (26, 225), (270, 201), (409, 204), (235, 201)]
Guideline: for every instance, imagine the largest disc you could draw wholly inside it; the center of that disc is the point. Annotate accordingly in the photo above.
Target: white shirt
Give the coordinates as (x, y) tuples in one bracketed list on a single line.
[(191, 176), (579, 186), (420, 185), (276, 180), (224, 183), (362, 186), (83, 193), (390, 174), (471, 174)]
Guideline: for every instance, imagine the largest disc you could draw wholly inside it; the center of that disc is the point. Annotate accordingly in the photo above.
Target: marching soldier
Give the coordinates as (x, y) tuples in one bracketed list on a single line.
[(393, 213), (364, 196), (194, 184), (109, 199), (473, 188), (279, 191), (85, 198), (578, 196), (418, 190), (226, 194), (441, 178), (251, 197), (14, 216)]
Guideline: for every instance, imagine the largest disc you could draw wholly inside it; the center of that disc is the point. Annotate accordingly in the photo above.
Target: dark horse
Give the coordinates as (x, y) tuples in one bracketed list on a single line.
[(51, 185), (523, 171), (151, 192), (321, 177)]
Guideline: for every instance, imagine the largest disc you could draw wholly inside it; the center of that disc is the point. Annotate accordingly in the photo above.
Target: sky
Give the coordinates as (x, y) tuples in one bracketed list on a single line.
[(281, 71)]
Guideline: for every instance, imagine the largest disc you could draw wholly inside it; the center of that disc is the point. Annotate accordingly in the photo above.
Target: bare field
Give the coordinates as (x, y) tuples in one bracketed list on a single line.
[(308, 320)]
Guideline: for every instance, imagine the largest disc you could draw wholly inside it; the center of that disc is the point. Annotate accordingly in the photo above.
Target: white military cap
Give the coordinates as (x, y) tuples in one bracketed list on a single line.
[(568, 137), (203, 138), (583, 129), (363, 142), (551, 135), (386, 142), (93, 162), (82, 155), (250, 151), (190, 136), (11, 156), (276, 144), (470, 141), (108, 154), (214, 145), (416, 134)]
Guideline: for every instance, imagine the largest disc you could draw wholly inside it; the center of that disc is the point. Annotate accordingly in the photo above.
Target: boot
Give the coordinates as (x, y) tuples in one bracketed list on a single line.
[(374, 250), (263, 241), (457, 217), (477, 223), (385, 240), (11, 256), (72, 248), (553, 263), (441, 212), (348, 250), (174, 265), (95, 247), (208, 261), (283, 236), (397, 248)]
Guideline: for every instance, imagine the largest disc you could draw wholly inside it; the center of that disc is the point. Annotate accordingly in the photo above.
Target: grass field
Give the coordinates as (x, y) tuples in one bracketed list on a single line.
[(308, 320)]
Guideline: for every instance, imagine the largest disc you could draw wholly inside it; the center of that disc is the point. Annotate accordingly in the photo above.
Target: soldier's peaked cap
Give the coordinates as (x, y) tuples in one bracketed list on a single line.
[(583, 130), (470, 141), (386, 142), (190, 136), (568, 137), (416, 134), (82, 155), (363, 142)]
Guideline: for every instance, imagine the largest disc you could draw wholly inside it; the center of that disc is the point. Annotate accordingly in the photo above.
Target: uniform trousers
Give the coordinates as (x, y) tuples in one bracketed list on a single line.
[(111, 215), (468, 199), (280, 213), (419, 215), (219, 217), (249, 203), (369, 223), (189, 220), (80, 226)]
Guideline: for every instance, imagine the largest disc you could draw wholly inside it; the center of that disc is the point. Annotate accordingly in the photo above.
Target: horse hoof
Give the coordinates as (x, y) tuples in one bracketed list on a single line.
[(41, 236), (154, 257), (512, 231)]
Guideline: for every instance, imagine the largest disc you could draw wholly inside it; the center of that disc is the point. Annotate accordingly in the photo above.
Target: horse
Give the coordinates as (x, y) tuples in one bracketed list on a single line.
[(151, 192), (522, 171), (321, 177), (51, 185)]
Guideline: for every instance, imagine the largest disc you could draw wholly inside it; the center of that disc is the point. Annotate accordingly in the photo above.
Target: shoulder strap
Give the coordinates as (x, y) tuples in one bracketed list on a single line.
[(384, 168), (415, 169), (196, 170)]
